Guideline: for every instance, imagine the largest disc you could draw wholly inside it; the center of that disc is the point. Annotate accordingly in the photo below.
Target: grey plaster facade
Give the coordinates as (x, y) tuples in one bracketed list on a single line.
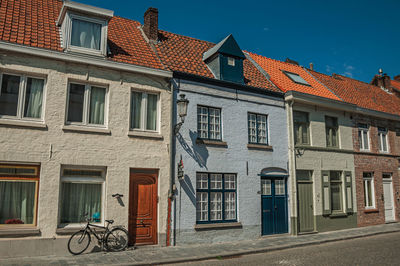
[(233, 157)]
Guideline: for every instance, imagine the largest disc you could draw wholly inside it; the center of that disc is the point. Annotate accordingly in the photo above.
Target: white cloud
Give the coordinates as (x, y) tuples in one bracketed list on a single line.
[(348, 70), (329, 68)]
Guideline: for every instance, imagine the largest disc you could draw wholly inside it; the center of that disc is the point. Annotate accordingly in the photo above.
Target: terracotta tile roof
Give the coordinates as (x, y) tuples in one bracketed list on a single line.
[(33, 23), (395, 84), (274, 68), (360, 93), (185, 54)]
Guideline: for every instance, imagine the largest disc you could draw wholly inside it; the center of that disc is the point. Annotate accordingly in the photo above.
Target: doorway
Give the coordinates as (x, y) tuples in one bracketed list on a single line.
[(388, 197)]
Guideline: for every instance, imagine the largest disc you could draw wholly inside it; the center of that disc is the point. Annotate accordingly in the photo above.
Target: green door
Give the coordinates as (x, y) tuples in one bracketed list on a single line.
[(305, 202)]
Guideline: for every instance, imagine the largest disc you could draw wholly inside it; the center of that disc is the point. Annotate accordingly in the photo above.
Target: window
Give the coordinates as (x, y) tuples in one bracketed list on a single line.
[(369, 194), (382, 139), (18, 194), (81, 193), (296, 78), (215, 197), (301, 128), (363, 136), (86, 104), (304, 175), (231, 61), (258, 128), (144, 111), (209, 123), (21, 97), (331, 126), (336, 191)]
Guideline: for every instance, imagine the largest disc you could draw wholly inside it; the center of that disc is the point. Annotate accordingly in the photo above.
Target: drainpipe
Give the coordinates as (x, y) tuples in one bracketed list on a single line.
[(292, 161)]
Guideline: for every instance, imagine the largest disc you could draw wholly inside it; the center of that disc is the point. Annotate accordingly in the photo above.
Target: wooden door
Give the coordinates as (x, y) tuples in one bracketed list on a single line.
[(305, 206), (388, 200), (143, 208)]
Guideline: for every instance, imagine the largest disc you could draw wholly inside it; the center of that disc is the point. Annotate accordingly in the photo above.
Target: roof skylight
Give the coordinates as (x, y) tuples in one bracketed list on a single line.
[(296, 78)]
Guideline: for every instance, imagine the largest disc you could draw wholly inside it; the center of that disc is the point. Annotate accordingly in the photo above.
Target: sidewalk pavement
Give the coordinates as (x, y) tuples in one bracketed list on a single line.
[(164, 255)]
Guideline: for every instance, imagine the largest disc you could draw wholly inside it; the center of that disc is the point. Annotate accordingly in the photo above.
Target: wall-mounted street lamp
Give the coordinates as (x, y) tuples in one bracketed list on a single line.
[(182, 105)]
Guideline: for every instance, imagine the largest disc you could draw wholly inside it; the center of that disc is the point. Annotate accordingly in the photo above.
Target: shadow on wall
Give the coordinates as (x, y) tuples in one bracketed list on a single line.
[(187, 186), (198, 152)]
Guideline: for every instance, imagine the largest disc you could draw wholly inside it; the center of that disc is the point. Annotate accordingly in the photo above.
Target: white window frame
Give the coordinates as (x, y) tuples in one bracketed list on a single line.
[(366, 199), (231, 61), (67, 31), (83, 180), (382, 135), (22, 94), (143, 111), (361, 140), (209, 123), (86, 105), (342, 191)]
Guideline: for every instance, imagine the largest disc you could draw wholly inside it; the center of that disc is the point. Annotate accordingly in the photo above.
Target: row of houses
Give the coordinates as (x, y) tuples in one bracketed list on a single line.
[(182, 141)]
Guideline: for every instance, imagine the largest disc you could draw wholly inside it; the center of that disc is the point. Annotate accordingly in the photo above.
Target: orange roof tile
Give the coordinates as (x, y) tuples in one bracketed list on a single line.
[(274, 68), (33, 23), (185, 54), (360, 93), (395, 84)]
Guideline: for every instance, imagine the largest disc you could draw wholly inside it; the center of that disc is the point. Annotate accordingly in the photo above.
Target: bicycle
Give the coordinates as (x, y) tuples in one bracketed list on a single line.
[(115, 239)]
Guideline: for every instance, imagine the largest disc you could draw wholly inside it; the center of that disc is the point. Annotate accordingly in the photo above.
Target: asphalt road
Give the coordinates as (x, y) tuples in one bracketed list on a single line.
[(374, 250)]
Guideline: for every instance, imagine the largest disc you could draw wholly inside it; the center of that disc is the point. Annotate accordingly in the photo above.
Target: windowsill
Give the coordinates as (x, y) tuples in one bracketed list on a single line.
[(86, 129), (254, 146), (374, 210), (145, 134), (338, 214), (211, 142), (10, 231), (200, 227), (79, 50), (23, 123)]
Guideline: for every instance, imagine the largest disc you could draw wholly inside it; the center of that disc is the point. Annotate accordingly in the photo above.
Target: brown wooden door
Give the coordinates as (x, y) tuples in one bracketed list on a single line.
[(143, 208)]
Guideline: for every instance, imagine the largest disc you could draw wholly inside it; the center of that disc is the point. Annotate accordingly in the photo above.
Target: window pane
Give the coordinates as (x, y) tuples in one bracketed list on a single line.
[(78, 199), (97, 102), (9, 95), (262, 129), (202, 206), (369, 192), (202, 181), (304, 132), (33, 98), (214, 116), (280, 187), (136, 107), (365, 140), (216, 181), (86, 34), (230, 205), (151, 112), (335, 175), (230, 182), (303, 175), (252, 128), (17, 201), (266, 187), (202, 122), (384, 144), (336, 196), (300, 117), (75, 104), (216, 206), (360, 139)]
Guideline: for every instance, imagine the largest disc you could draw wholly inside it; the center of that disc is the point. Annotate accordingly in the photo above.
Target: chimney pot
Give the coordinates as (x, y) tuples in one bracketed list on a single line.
[(150, 24), (311, 66)]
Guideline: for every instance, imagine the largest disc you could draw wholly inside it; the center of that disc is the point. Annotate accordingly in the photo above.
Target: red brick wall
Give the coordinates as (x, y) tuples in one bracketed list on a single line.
[(376, 162)]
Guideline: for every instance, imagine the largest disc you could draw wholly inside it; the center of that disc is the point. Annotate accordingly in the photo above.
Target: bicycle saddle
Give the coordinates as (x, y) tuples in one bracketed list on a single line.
[(110, 221)]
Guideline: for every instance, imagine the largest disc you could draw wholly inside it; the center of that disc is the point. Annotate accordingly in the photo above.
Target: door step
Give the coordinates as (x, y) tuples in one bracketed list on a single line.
[(307, 233)]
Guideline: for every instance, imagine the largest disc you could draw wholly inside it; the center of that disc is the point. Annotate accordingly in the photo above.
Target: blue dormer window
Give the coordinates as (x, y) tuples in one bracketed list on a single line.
[(225, 60)]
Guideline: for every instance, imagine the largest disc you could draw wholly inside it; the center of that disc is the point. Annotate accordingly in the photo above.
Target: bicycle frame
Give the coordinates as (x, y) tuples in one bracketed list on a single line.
[(89, 227)]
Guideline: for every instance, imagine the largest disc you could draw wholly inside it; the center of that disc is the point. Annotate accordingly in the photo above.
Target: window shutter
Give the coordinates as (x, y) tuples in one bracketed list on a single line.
[(349, 192), (326, 193)]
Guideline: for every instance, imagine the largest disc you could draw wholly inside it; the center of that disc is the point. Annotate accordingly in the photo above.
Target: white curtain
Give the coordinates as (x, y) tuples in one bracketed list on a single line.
[(17, 201), (151, 112), (78, 199), (85, 34), (34, 98), (97, 101)]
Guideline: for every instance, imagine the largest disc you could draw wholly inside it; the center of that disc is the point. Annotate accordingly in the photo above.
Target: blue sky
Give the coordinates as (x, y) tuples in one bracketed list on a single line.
[(354, 38)]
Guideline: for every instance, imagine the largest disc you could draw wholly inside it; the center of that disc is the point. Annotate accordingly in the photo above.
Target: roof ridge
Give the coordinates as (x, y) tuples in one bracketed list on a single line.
[(276, 60), (187, 36), (326, 87)]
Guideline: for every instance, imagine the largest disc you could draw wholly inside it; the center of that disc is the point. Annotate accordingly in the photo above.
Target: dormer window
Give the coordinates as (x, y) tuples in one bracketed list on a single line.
[(296, 78), (84, 28), (231, 61)]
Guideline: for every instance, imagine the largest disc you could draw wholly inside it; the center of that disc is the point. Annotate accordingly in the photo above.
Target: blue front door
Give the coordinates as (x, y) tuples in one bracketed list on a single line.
[(274, 206)]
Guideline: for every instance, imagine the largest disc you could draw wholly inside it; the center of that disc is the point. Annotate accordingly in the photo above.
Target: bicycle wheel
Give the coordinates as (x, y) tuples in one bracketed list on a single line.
[(117, 239), (78, 242)]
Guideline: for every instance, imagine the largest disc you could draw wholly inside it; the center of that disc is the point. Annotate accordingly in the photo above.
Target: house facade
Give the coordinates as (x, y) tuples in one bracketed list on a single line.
[(231, 150), (320, 150), (84, 128)]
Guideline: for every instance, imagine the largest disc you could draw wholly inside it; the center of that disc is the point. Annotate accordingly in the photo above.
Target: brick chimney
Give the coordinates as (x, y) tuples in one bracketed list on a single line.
[(150, 25), (381, 80), (311, 66)]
